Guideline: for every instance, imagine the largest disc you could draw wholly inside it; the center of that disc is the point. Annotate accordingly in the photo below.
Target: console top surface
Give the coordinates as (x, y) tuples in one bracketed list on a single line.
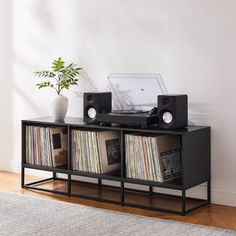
[(78, 122)]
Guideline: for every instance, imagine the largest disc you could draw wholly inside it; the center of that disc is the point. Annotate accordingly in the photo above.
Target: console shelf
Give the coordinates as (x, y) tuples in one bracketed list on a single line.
[(115, 187)]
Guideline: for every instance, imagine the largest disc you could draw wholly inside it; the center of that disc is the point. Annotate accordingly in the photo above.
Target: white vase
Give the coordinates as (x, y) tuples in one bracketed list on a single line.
[(59, 105)]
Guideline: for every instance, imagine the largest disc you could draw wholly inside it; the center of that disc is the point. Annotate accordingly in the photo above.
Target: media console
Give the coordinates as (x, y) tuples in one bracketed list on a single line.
[(115, 187)]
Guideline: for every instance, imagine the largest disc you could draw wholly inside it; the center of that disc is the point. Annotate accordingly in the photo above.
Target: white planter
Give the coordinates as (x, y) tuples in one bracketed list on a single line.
[(59, 105)]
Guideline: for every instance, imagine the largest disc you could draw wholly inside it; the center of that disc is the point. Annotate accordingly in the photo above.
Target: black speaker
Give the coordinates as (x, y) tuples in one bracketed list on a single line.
[(172, 111), (95, 103)]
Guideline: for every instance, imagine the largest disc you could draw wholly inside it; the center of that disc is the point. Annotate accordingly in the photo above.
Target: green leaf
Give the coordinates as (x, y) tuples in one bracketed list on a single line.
[(58, 65), (44, 85)]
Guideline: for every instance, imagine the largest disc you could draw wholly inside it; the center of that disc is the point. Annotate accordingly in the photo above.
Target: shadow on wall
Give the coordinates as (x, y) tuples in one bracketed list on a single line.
[(41, 41), (201, 113), (41, 11), (30, 50), (202, 110), (120, 99), (6, 124), (86, 84)]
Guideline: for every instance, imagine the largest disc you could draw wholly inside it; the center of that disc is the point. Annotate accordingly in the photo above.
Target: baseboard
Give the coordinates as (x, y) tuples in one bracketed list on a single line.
[(224, 196), (220, 195), (15, 167), (10, 165)]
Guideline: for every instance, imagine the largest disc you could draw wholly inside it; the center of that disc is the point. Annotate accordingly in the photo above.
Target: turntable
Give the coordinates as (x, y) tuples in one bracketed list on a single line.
[(126, 117), (134, 99)]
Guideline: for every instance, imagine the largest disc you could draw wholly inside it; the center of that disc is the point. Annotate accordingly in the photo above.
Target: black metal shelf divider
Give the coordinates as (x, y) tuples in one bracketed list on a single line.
[(195, 166), (69, 160), (122, 152)]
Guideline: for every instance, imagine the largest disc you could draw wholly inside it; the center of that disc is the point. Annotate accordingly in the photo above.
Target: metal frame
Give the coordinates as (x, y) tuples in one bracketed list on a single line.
[(122, 189), (176, 185)]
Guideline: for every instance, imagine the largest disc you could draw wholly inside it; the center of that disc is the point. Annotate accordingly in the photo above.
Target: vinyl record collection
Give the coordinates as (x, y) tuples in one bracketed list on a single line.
[(46, 146), (97, 152), (153, 158)]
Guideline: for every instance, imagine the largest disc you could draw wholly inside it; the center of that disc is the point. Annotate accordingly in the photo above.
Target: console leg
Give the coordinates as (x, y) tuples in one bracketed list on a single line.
[(69, 185), (150, 189), (209, 191), (183, 202), (99, 183), (22, 177), (122, 195), (54, 176)]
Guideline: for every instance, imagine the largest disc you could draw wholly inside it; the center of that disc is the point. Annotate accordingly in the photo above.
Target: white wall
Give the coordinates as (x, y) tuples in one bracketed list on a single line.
[(6, 147), (191, 43)]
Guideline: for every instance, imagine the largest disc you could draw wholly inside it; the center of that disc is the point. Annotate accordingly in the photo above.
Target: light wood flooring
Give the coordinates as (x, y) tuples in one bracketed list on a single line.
[(211, 215)]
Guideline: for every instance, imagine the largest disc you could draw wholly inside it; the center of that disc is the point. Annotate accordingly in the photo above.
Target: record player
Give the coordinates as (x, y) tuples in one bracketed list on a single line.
[(126, 117), (134, 99)]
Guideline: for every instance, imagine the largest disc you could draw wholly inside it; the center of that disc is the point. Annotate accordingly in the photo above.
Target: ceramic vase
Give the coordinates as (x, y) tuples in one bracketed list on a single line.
[(59, 106)]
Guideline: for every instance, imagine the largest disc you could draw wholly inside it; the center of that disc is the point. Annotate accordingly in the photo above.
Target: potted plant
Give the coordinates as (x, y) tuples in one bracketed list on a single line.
[(61, 77)]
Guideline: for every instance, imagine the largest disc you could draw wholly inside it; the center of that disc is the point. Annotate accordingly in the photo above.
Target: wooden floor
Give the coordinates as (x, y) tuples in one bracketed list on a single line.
[(211, 215)]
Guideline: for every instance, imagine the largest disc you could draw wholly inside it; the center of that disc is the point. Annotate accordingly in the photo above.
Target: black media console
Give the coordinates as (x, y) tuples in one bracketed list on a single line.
[(115, 187)]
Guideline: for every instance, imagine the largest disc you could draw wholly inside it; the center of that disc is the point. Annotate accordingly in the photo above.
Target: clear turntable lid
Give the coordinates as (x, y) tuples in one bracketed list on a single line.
[(135, 91)]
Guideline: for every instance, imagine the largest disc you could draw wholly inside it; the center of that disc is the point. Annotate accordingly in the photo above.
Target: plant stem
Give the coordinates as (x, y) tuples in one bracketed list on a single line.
[(55, 89), (58, 84)]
